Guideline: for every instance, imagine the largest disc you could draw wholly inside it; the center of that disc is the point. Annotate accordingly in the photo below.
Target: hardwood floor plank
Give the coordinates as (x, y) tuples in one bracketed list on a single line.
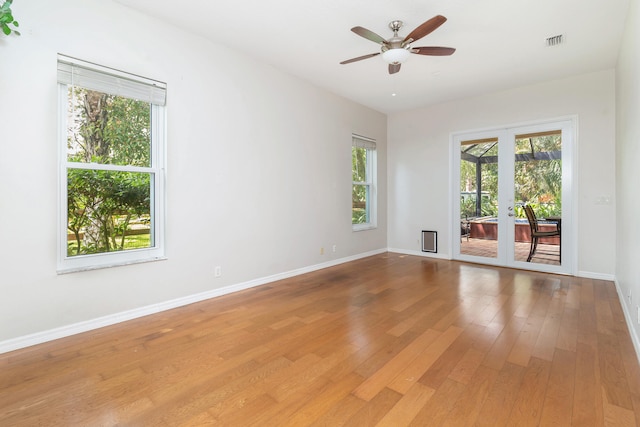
[(632, 369), (376, 409), (407, 407), (467, 408), (437, 408), (560, 389), (378, 355), (587, 401), (615, 416), (389, 339), (418, 366), (173, 404), (415, 318), (340, 413), (520, 353), (442, 367), (321, 402), (466, 368), (297, 382), (495, 306), (497, 407), (500, 350), (612, 373), (545, 345), (527, 408), (568, 334), (604, 316), (587, 325), (385, 375)]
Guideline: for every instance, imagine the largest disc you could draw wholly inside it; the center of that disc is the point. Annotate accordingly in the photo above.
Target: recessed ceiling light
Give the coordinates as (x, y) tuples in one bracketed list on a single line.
[(393, 94)]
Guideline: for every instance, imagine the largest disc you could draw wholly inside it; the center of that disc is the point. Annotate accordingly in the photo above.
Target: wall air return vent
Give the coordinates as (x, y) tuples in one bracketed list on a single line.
[(429, 241), (555, 40)]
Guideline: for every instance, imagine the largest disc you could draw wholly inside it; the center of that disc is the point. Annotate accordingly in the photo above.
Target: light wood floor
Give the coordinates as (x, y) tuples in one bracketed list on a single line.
[(389, 340)]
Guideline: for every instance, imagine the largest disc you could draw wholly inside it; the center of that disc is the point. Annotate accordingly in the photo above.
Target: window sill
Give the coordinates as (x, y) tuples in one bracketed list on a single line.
[(363, 227), (115, 264)]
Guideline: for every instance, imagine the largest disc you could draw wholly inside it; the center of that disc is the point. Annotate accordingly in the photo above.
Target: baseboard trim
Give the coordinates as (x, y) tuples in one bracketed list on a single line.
[(629, 318), (419, 253), (112, 319), (596, 276)]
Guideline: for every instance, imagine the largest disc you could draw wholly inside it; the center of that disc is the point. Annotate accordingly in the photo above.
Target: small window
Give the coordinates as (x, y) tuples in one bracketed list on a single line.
[(111, 166), (363, 191)]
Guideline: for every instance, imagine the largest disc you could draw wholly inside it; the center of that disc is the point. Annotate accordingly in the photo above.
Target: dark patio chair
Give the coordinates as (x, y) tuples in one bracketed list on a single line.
[(465, 228), (536, 234)]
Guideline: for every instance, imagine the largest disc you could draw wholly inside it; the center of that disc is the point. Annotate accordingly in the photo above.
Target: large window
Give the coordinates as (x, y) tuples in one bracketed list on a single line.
[(111, 166), (363, 172)]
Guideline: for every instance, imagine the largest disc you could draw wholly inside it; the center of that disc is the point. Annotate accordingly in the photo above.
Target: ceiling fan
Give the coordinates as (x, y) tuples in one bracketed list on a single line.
[(396, 50)]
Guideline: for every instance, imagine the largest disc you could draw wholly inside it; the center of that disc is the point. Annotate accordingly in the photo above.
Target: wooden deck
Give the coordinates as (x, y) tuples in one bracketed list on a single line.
[(545, 254), (389, 340)]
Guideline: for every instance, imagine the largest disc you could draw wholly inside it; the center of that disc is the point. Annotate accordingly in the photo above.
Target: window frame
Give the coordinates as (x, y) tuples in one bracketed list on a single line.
[(156, 170), (369, 144)]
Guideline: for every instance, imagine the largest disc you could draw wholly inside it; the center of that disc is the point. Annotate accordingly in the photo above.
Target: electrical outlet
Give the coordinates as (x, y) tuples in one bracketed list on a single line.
[(638, 308), (321, 251), (217, 272), (334, 248)]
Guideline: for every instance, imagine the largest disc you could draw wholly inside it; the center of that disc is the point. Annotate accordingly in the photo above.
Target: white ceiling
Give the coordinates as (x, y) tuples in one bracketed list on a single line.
[(500, 43)]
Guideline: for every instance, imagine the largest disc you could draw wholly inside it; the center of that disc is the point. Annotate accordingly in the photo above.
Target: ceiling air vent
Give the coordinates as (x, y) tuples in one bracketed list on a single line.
[(555, 40)]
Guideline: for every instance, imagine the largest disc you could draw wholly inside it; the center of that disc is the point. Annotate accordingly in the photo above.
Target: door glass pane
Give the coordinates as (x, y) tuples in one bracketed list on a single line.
[(479, 197), (538, 183)]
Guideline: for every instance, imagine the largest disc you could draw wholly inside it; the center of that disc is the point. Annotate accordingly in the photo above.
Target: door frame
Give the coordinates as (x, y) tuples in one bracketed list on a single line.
[(506, 135)]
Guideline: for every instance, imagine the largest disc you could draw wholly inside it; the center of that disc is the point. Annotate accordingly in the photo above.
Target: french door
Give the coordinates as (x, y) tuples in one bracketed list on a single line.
[(495, 174)]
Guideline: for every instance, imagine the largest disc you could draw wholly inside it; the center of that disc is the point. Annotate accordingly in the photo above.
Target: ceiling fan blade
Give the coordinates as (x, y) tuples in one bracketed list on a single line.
[(424, 29), (433, 50), (394, 68), (369, 35), (360, 58)]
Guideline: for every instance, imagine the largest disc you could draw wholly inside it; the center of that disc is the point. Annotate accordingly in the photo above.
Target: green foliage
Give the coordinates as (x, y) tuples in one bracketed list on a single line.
[(468, 207), (542, 210), (133, 133), (360, 192), (359, 211), (6, 19), (103, 204), (537, 182), (130, 242), (488, 207), (359, 164)]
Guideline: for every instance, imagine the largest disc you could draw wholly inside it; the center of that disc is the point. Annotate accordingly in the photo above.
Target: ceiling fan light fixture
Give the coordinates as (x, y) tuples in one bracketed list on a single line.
[(395, 56), (396, 50)]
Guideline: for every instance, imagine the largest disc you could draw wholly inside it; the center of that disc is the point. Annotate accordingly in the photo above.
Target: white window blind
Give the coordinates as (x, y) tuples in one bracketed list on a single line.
[(72, 71), (363, 142)]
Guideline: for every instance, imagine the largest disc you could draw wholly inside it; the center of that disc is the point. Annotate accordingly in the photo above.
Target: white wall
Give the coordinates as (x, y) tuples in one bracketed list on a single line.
[(258, 167), (628, 170), (418, 158)]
